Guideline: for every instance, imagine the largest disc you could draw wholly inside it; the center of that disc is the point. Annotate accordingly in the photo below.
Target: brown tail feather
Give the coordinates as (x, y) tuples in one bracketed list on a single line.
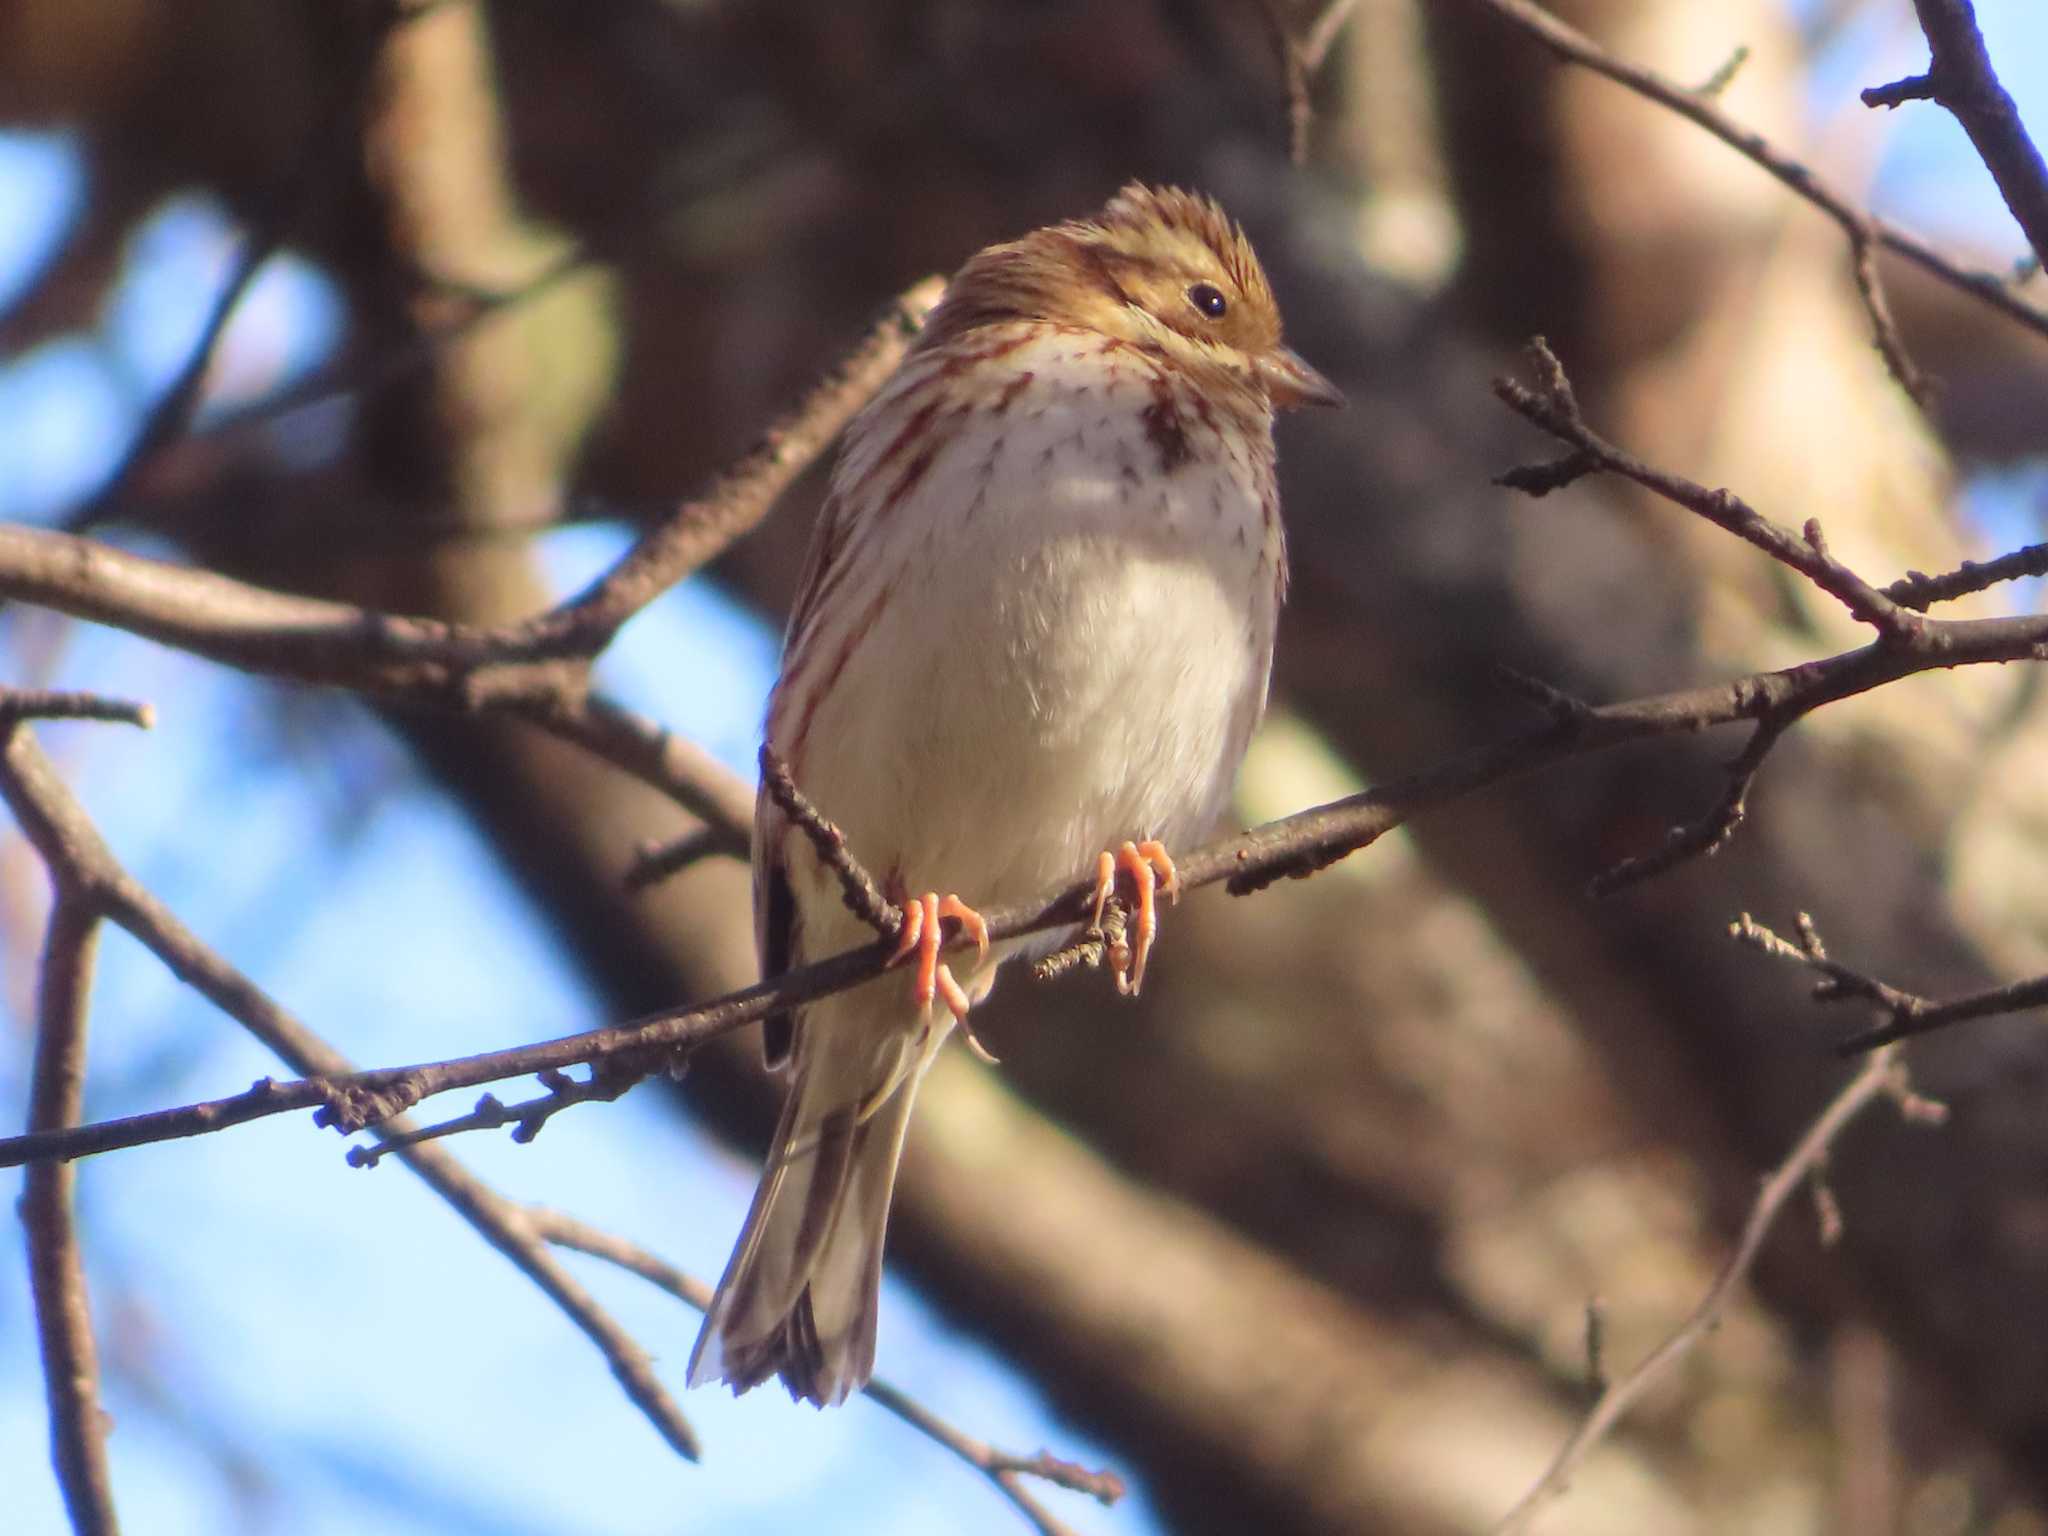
[(799, 1296)]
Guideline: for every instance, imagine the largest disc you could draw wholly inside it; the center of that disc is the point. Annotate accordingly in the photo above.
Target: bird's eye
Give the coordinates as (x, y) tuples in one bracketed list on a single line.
[(1208, 298)]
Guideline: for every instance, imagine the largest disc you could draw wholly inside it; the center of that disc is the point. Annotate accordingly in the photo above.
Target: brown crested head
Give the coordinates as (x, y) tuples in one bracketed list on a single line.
[(1165, 270)]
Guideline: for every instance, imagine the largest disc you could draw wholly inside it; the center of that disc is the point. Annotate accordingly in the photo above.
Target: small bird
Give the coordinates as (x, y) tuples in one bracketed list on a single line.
[(1035, 629)]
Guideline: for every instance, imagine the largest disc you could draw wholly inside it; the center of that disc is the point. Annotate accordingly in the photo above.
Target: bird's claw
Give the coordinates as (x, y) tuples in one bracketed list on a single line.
[(922, 935), (1151, 870)]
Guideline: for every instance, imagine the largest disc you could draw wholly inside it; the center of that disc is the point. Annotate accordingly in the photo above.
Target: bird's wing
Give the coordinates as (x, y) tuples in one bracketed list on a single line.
[(775, 915)]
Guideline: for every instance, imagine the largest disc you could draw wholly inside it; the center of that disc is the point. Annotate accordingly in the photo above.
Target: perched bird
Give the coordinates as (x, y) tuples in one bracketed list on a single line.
[(1035, 629)]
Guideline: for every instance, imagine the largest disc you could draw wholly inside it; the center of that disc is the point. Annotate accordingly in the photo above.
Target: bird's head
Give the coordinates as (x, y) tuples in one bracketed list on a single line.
[(1162, 269)]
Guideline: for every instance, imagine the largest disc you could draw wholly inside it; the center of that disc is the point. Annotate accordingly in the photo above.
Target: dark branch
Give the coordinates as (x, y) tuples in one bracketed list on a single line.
[(63, 1314), (538, 668), (1000, 1467), (1710, 832), (1863, 230), (1552, 407), (1919, 592), (83, 867), (1903, 1013), (654, 862), (331, 139), (863, 897), (1294, 846), (1960, 79), (47, 704), (1882, 1076), (525, 1118)]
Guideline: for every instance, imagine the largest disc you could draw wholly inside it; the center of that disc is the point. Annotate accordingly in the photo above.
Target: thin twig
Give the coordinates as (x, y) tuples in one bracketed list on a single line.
[(863, 897), (1882, 1076), (538, 668), (1551, 406), (1913, 590), (1000, 1467), (1291, 847), (63, 1314), (1904, 1014), (656, 861), (419, 350), (1292, 59), (1706, 834), (1323, 32), (431, 661), (655, 755), (1960, 79), (1862, 229), (525, 1118), (171, 416), (77, 856), (52, 704)]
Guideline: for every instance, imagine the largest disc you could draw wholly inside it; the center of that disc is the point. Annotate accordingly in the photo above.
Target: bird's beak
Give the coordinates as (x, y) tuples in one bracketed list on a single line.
[(1292, 383)]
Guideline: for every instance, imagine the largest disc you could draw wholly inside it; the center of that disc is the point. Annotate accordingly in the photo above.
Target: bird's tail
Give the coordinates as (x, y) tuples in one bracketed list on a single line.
[(799, 1297)]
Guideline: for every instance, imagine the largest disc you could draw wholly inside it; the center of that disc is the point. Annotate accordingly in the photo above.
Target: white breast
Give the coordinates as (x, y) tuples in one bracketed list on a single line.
[(1076, 639)]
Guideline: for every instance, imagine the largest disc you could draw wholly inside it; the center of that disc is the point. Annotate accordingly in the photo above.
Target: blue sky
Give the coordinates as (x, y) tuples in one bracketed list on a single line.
[(253, 1292)]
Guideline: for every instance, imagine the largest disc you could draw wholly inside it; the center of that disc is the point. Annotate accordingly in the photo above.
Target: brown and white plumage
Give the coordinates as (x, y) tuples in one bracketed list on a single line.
[(1037, 621)]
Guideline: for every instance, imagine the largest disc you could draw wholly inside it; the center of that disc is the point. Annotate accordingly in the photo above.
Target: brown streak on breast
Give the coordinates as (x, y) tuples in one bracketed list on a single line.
[(1007, 396), (814, 696), (961, 358), (913, 472), (1164, 428)]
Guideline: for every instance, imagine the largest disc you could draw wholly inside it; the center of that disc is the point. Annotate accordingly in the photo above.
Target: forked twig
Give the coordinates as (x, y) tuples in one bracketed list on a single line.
[(1002, 1468), (1882, 1076)]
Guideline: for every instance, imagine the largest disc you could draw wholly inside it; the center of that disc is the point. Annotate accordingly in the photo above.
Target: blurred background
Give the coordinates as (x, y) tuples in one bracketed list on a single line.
[(1304, 1240)]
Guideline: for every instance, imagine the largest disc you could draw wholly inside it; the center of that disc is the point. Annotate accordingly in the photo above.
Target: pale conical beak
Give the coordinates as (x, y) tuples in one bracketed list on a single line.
[(1292, 383)]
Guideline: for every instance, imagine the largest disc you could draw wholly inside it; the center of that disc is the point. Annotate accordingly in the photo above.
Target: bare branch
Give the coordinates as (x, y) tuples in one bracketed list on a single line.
[(1904, 1014), (1882, 1076), (655, 755), (1291, 55), (80, 861), (525, 1118), (700, 529), (427, 660), (1913, 590), (1552, 407), (1323, 32), (863, 897), (1863, 230), (1291, 847), (655, 861), (1961, 80), (1709, 833), (1002, 1468), (71, 1375), (538, 668), (265, 236), (48, 704)]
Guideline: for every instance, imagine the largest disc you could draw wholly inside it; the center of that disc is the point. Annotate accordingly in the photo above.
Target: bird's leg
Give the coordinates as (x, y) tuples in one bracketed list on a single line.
[(1151, 870), (921, 937)]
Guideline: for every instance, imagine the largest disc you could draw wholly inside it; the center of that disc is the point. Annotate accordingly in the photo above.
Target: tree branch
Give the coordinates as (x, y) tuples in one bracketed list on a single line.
[(1883, 1075), (1864, 231), (1293, 846), (1907, 643), (1904, 1013), (1002, 1468), (1553, 407), (537, 668), (80, 861), (71, 1375), (1960, 80)]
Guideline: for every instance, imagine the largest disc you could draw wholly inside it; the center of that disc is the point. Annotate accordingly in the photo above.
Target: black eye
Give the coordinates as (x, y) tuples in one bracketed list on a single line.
[(1208, 298)]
